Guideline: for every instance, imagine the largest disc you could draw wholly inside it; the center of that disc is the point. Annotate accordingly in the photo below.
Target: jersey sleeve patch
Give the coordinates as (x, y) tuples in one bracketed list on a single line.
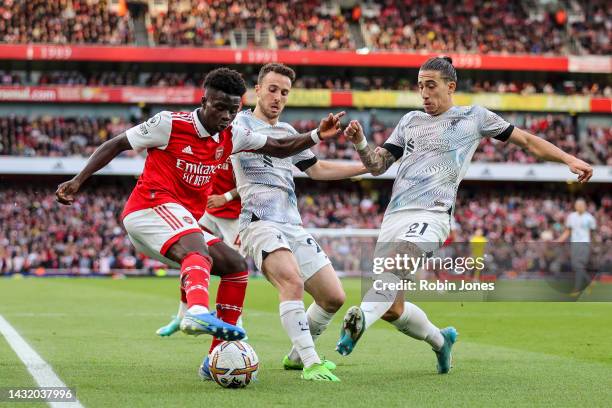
[(155, 132)]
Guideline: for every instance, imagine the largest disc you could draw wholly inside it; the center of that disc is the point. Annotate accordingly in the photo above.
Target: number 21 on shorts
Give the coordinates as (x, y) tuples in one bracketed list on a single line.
[(416, 229)]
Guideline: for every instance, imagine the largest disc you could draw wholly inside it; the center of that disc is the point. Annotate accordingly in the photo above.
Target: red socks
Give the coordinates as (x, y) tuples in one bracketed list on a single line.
[(195, 277), (230, 298)]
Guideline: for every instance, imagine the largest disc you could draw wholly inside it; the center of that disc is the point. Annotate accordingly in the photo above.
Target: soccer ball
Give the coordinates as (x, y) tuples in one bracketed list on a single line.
[(233, 364)]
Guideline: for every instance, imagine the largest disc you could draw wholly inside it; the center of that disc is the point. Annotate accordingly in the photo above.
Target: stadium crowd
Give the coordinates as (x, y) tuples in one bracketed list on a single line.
[(591, 26), (136, 77), (56, 136), (499, 26), (295, 25), (35, 231), (557, 129), (62, 22), (599, 143), (79, 136)]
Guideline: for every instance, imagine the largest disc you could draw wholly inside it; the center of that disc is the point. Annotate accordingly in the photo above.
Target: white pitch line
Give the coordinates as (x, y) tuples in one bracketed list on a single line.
[(39, 369)]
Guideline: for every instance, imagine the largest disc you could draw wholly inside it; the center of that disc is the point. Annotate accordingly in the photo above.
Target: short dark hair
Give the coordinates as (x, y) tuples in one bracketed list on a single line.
[(442, 64), (278, 68), (225, 80)]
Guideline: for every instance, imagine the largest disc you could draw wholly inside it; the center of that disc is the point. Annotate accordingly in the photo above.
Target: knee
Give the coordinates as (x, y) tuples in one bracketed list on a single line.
[(332, 303), (394, 312)]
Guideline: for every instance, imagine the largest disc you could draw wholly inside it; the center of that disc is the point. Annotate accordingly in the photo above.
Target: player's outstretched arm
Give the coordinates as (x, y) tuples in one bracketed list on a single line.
[(100, 158), (376, 161), (285, 147), (547, 151), (335, 170)]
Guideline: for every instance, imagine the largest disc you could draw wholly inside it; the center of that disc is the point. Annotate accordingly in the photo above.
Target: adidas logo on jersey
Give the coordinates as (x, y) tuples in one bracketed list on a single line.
[(410, 146), (187, 150)]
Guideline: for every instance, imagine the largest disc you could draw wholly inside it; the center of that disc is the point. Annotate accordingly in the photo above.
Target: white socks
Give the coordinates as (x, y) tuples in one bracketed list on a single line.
[(415, 324), (198, 309), (182, 309), (318, 320), (294, 320), (376, 302)]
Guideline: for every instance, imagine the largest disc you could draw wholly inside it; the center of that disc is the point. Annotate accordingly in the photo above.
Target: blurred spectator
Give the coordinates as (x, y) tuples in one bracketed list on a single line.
[(598, 141), (591, 26)]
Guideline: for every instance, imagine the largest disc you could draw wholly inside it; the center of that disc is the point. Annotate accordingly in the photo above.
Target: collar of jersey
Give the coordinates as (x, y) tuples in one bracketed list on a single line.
[(202, 133), (263, 122)]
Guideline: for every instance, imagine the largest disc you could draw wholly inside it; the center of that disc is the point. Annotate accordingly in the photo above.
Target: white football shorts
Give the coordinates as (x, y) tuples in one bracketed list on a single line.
[(154, 230), (264, 237)]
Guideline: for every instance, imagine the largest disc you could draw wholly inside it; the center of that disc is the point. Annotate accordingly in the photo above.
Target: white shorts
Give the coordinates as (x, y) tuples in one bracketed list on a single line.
[(427, 229), (264, 237), (154, 230), (224, 228)]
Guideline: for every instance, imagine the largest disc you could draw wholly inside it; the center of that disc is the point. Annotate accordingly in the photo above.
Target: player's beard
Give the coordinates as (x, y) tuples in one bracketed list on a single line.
[(272, 116)]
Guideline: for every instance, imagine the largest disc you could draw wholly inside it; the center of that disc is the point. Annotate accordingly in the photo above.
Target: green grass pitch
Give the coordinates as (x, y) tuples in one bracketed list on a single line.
[(99, 337)]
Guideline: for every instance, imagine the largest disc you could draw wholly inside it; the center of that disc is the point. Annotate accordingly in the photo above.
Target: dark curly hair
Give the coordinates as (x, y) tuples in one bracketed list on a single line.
[(225, 80)]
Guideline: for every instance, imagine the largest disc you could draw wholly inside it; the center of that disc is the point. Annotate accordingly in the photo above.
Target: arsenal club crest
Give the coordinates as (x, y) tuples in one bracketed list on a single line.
[(188, 220), (219, 152)]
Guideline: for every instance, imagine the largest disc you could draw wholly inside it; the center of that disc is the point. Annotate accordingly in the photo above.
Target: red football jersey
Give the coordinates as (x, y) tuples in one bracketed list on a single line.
[(182, 159), (224, 181)]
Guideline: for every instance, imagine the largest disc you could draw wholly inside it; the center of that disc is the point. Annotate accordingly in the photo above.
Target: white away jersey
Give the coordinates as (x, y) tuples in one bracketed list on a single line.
[(581, 226), (265, 183), (434, 153)]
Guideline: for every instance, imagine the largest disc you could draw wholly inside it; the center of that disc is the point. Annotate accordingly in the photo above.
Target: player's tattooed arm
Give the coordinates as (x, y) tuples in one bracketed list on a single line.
[(328, 128), (106, 152), (378, 160)]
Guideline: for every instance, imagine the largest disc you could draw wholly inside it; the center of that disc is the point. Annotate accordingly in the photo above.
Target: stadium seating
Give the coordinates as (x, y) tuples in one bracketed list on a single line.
[(599, 144), (66, 136), (205, 24), (56, 136), (61, 22), (346, 82), (500, 26)]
